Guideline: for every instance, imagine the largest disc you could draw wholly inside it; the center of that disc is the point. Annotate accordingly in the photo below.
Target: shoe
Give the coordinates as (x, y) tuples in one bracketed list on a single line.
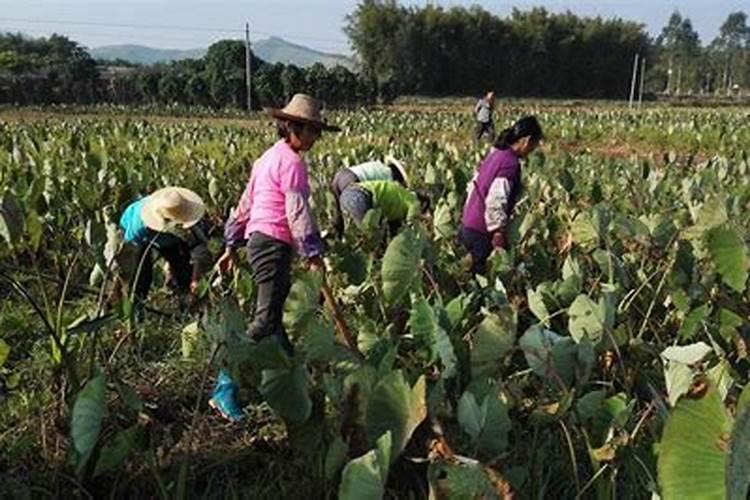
[(224, 398)]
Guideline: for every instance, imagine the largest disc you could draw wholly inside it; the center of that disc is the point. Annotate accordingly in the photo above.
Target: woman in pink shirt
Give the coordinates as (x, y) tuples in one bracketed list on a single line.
[(273, 219)]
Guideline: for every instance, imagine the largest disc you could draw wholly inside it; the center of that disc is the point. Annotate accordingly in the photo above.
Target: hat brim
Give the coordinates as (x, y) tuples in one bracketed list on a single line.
[(153, 219), (280, 115), (390, 160)]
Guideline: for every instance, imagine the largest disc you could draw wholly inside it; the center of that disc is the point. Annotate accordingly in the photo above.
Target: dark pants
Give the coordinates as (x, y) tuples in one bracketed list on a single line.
[(271, 262), (177, 254), (341, 181), (479, 245), (483, 128)]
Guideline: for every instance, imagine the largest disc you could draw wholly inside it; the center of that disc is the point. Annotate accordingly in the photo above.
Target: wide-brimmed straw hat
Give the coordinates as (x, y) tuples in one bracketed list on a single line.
[(391, 161), (304, 109), (172, 205)]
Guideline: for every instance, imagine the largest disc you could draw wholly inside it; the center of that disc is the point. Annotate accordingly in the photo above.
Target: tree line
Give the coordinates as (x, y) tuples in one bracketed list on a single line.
[(435, 51), (57, 70), (402, 50)]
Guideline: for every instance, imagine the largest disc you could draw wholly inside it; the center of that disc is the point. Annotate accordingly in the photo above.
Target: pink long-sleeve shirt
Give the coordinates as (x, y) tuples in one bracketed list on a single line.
[(275, 203)]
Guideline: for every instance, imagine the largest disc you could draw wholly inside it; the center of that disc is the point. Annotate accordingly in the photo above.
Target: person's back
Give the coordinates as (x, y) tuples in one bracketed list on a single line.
[(394, 201)]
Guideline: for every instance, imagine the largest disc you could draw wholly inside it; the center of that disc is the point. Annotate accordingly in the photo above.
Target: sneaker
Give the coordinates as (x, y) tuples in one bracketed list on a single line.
[(224, 398)]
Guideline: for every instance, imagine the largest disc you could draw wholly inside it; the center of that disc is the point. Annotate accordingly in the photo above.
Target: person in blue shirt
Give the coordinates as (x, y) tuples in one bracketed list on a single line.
[(171, 222)]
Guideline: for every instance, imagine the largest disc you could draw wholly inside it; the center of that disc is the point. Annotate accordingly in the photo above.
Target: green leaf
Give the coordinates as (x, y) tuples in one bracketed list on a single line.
[(712, 214), (397, 408), (303, 301), (493, 339), (116, 451), (286, 392), (584, 232), (189, 338), (692, 451), (364, 477), (401, 265), (586, 319), (679, 377), (424, 325), (88, 412), (744, 399), (11, 218), (738, 463), (487, 425), (465, 480), (536, 344), (470, 416), (4, 352), (729, 254), (442, 221), (335, 457), (537, 305), (456, 309), (129, 397), (319, 340), (694, 321), (686, 354), (34, 229)]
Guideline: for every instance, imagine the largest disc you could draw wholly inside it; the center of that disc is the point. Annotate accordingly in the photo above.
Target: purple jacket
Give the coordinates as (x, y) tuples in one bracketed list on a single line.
[(493, 191)]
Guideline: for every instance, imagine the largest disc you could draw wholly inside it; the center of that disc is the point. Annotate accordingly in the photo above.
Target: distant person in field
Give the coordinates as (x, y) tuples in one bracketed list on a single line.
[(390, 170), (483, 112), (169, 221), (493, 192), (273, 219)]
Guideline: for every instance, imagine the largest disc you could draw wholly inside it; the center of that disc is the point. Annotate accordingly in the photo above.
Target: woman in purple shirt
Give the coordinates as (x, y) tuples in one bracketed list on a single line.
[(493, 191)]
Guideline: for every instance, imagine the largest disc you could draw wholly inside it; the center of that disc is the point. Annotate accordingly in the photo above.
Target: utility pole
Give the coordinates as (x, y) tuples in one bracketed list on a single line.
[(632, 82), (643, 82), (248, 69)]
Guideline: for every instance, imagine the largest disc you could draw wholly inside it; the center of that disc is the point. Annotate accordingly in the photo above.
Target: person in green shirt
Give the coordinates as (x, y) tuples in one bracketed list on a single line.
[(395, 202), (390, 170)]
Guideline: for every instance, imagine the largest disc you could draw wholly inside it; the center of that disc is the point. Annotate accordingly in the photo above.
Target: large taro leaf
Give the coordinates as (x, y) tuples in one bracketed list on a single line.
[(285, 390), (465, 479), (319, 340), (396, 407), (493, 339), (729, 254), (693, 449), (401, 265), (537, 344), (677, 371), (364, 477), (88, 412), (586, 319), (302, 303), (738, 466), (116, 451), (487, 425), (424, 325), (584, 232)]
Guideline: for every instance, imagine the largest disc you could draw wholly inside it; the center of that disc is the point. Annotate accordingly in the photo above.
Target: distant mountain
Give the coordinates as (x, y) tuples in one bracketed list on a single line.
[(277, 49), (140, 54), (272, 50)]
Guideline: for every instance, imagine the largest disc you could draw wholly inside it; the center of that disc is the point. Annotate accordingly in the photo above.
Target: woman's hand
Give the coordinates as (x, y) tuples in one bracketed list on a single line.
[(226, 262), (316, 265), (498, 240)]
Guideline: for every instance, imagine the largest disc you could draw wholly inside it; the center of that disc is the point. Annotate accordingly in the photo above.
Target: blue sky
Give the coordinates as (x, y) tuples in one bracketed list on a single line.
[(313, 23)]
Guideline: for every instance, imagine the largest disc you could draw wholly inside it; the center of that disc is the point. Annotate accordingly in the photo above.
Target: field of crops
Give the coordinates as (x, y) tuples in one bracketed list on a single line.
[(604, 355)]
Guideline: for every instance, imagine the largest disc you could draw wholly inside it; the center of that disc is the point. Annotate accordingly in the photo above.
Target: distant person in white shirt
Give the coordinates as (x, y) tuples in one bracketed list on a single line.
[(483, 111)]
